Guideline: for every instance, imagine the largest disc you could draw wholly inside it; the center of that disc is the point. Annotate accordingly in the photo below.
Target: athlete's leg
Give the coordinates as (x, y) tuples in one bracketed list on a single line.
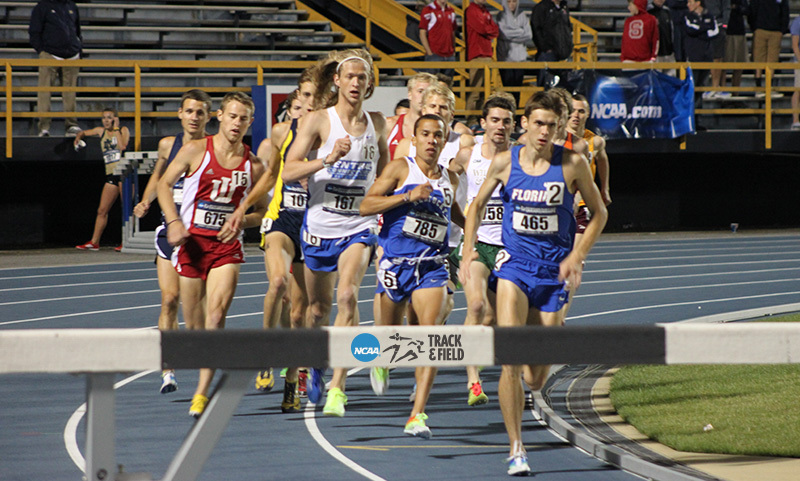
[(319, 286), (512, 311), (169, 283), (192, 292), (220, 288), (278, 254), (536, 375), (352, 266), (376, 300), (299, 306), (107, 197), (428, 304), (478, 308)]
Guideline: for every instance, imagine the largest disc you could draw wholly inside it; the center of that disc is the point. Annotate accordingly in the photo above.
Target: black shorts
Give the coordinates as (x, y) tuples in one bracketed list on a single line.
[(113, 179), (288, 223), (163, 248)]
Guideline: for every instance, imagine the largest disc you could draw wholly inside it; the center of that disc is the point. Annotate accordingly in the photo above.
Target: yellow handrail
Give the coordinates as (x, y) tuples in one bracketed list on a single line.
[(133, 69)]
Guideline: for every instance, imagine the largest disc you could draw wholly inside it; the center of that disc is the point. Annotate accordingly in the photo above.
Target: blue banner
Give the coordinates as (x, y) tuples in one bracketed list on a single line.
[(640, 104)]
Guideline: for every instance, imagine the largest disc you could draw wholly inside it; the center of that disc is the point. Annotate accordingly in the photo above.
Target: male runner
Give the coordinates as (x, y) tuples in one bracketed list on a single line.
[(497, 122), (351, 151), (538, 265), (219, 171), (194, 115), (401, 126), (416, 197)]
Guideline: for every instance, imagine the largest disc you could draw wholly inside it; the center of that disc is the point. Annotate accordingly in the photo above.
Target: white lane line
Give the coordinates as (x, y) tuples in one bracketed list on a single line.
[(77, 284), (681, 266), (685, 276), (150, 269), (704, 256), (71, 428), (686, 303), (681, 242), (675, 251), (678, 288), (310, 418)]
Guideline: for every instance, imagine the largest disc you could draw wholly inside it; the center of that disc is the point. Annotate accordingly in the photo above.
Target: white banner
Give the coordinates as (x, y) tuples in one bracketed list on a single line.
[(411, 346)]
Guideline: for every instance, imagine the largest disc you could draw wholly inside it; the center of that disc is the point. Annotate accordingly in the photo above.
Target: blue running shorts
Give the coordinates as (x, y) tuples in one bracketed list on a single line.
[(323, 254), (537, 280), (398, 281)]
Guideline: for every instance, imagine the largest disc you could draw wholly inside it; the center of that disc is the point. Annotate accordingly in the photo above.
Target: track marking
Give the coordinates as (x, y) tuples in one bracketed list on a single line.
[(71, 428)]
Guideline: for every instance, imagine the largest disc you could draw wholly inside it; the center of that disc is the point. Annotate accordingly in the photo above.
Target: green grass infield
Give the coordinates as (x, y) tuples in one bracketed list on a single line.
[(724, 409)]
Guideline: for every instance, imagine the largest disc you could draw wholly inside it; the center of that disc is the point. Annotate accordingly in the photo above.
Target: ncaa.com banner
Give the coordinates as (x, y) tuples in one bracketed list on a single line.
[(639, 104), (411, 346)]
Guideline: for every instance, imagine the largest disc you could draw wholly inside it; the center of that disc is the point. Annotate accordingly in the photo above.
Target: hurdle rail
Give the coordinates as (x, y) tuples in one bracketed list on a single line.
[(133, 164), (101, 353)]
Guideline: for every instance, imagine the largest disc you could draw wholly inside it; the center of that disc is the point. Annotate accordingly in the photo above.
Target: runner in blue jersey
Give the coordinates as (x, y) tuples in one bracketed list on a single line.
[(417, 199), (351, 151), (538, 265), (194, 115)]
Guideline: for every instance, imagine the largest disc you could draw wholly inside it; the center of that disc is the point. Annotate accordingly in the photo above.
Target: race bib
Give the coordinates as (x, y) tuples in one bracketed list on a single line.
[(295, 201), (427, 228), (211, 215), (266, 225), (493, 214), (535, 224), (311, 240), (342, 200), (111, 156)]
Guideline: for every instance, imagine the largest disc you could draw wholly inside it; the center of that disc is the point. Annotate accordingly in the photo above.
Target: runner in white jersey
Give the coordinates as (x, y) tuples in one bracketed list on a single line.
[(498, 122), (416, 197), (351, 151), (439, 100)]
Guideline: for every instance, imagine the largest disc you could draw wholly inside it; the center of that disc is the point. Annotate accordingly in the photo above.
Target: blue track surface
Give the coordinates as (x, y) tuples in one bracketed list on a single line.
[(631, 280)]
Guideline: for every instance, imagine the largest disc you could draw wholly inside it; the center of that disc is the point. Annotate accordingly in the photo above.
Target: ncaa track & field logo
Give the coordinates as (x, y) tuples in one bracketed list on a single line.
[(365, 347)]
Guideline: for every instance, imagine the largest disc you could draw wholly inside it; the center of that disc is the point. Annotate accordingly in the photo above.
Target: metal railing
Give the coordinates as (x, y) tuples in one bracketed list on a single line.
[(132, 69)]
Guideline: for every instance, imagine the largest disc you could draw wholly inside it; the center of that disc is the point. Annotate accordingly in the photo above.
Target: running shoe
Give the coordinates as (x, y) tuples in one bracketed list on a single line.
[(335, 404), (88, 247), (302, 378), (476, 395), (118, 248), (416, 426), (413, 396), (518, 464), (265, 380), (168, 382), (291, 401), (283, 372), (199, 403), (379, 378), (315, 386)]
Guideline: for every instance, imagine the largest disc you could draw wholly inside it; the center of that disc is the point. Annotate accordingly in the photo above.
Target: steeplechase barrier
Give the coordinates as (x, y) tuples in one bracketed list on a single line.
[(101, 353)]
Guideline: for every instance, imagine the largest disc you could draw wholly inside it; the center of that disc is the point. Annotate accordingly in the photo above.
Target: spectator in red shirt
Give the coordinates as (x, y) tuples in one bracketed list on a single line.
[(437, 29), (640, 34), (481, 30)]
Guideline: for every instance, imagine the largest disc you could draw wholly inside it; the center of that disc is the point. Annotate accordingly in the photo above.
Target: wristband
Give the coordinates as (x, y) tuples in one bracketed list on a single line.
[(407, 197), (173, 220)]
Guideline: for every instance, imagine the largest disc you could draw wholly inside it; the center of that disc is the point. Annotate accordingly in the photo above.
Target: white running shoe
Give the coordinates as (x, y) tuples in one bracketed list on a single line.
[(168, 382), (379, 378)]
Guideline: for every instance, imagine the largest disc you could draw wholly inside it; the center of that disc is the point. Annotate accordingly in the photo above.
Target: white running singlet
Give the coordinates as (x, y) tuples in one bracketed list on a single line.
[(491, 229)]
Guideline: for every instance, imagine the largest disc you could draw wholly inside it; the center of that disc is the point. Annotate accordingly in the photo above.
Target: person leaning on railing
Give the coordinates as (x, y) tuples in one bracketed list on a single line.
[(55, 34)]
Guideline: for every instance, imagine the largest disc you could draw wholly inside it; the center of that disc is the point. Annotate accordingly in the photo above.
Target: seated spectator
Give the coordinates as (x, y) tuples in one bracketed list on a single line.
[(640, 34)]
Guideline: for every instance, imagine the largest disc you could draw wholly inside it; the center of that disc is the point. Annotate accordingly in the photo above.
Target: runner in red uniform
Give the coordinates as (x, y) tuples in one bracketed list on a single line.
[(219, 172)]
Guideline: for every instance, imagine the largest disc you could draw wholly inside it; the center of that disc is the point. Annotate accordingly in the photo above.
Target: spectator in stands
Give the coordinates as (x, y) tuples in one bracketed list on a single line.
[(55, 34), (700, 27), (769, 20), (113, 142), (678, 10), (481, 30), (552, 34), (721, 9), (795, 31), (640, 34), (512, 43), (735, 42), (437, 33), (666, 52)]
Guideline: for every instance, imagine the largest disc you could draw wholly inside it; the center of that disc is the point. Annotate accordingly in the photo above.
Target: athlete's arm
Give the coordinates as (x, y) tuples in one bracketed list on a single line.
[(456, 214), (462, 129), (497, 174), (459, 163), (579, 176), (378, 200), (88, 133), (123, 137), (150, 193), (379, 121), (187, 159), (309, 135), (603, 168), (230, 231), (403, 148), (466, 141)]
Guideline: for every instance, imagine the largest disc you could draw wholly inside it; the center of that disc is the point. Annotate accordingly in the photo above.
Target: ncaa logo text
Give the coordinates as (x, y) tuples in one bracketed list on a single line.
[(365, 347)]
